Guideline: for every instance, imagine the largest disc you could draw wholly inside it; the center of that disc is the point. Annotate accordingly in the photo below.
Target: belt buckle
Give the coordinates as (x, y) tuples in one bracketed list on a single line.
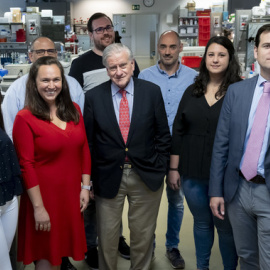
[(128, 166)]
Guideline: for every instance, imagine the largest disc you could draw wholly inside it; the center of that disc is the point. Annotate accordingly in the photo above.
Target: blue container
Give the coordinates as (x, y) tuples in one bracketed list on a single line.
[(3, 72), (225, 15)]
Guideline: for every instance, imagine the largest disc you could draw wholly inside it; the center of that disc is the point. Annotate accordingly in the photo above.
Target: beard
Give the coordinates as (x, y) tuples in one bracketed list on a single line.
[(100, 45)]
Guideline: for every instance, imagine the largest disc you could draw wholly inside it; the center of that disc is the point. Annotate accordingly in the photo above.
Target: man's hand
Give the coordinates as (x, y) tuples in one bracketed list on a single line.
[(217, 207)]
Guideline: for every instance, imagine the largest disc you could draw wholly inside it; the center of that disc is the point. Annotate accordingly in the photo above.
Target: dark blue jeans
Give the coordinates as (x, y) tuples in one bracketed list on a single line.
[(196, 193), (175, 216)]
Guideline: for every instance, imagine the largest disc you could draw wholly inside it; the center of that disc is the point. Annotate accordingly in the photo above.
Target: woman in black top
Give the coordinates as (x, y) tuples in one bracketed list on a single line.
[(192, 142), (10, 188)]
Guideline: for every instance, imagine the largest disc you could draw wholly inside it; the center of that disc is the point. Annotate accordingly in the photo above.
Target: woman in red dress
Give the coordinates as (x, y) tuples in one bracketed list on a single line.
[(51, 144)]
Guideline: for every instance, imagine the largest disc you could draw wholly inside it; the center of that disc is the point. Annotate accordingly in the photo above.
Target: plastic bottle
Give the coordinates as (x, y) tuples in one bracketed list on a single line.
[(247, 72)]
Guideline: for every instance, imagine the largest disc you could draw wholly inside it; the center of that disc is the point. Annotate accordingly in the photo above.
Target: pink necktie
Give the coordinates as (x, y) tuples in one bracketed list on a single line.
[(124, 122), (255, 141)]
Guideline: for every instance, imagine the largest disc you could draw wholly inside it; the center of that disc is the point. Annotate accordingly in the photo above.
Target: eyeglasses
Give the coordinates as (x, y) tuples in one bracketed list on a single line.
[(100, 30), (42, 52)]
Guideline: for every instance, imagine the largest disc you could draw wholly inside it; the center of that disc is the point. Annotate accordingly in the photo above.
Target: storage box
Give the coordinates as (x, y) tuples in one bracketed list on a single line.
[(183, 12), (183, 31), (204, 36), (16, 14), (203, 42), (205, 12), (3, 20), (204, 28), (32, 9), (191, 5), (191, 61), (46, 13), (204, 21), (190, 30)]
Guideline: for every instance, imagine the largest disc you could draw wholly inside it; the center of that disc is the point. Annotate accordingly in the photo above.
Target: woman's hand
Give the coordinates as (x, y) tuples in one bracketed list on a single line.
[(174, 180), (84, 199), (42, 219)]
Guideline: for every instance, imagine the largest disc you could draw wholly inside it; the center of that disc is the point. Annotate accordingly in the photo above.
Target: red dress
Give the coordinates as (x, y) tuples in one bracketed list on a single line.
[(54, 159)]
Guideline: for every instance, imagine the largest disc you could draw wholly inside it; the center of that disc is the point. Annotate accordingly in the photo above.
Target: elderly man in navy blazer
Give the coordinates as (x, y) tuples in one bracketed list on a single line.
[(129, 139), (240, 169)]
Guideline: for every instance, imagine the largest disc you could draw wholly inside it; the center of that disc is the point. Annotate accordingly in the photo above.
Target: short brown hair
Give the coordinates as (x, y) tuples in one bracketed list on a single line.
[(95, 17), (265, 28), (66, 110)]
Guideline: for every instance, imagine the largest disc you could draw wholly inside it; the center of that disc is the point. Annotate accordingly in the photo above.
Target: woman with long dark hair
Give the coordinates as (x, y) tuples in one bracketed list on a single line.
[(10, 188), (51, 143), (192, 142)]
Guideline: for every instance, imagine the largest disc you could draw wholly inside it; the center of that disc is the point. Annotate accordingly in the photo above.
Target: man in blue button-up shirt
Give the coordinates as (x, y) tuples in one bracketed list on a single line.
[(173, 78)]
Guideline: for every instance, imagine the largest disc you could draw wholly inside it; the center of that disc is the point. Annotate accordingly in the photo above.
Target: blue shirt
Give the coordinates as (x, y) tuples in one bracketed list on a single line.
[(15, 97), (117, 96), (256, 97), (172, 86)]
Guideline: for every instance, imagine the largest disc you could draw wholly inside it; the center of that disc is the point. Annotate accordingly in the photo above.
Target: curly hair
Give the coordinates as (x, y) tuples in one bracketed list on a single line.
[(66, 111), (232, 73)]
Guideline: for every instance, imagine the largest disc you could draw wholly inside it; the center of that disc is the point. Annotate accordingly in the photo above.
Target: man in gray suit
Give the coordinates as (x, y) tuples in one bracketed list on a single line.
[(240, 169)]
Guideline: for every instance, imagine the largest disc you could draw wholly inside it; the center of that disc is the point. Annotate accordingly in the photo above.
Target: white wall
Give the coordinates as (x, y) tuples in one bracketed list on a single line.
[(84, 9), (6, 4)]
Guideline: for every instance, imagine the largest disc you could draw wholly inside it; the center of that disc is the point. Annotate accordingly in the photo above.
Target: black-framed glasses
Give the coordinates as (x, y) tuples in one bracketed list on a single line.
[(100, 30), (41, 52)]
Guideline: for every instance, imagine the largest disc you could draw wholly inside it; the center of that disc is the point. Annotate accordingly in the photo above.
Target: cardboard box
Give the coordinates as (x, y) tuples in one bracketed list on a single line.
[(32, 9)]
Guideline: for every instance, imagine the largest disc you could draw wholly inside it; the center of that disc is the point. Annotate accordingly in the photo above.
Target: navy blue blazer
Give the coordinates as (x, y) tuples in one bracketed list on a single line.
[(148, 143), (229, 141)]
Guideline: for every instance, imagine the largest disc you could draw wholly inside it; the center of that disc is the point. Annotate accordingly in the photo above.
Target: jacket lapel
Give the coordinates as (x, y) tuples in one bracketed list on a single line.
[(108, 104), (246, 105)]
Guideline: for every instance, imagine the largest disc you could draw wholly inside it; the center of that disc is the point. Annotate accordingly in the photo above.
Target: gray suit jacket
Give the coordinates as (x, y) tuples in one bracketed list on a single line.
[(229, 141)]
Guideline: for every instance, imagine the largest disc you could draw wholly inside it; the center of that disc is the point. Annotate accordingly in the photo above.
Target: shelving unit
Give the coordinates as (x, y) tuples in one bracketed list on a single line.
[(11, 27), (204, 26), (204, 30), (80, 29), (188, 28), (194, 27)]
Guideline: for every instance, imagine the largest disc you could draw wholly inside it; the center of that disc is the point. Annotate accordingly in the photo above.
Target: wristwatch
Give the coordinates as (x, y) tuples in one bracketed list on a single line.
[(90, 188)]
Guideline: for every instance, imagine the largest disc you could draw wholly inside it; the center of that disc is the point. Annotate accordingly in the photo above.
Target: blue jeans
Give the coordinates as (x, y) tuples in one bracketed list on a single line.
[(175, 216), (196, 193)]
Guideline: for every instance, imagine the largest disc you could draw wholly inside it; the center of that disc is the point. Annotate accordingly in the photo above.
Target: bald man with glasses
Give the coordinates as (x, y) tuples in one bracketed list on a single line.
[(15, 95)]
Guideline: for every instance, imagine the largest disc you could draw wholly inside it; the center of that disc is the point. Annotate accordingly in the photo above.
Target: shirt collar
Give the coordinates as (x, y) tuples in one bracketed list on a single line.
[(129, 88), (261, 80), (164, 72)]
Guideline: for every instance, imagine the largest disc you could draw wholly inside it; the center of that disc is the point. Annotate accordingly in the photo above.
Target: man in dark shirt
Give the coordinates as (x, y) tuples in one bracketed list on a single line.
[(88, 68)]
